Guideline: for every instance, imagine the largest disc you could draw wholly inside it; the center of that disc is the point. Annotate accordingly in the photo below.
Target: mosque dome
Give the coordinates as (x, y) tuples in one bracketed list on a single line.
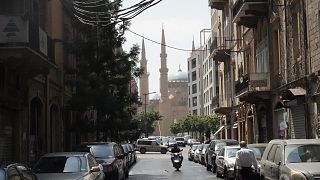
[(179, 76)]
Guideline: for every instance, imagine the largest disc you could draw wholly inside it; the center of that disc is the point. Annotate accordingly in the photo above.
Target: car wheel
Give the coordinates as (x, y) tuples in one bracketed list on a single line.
[(225, 174), (214, 168), (163, 151), (208, 167), (142, 150), (218, 175)]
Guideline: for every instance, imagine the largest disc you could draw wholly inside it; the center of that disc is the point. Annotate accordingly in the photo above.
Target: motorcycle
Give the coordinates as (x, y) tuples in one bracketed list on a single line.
[(176, 160)]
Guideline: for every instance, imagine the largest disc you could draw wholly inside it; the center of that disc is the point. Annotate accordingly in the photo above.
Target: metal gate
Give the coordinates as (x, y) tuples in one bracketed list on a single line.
[(298, 125)]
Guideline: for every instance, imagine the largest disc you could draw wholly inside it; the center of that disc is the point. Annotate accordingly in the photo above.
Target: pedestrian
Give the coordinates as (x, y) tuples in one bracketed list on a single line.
[(245, 159)]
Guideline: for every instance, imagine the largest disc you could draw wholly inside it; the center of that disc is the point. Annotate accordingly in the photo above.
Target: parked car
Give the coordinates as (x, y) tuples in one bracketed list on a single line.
[(193, 141), (191, 152), (197, 153), (202, 154), (110, 155), (15, 171), (226, 161), (291, 159), (127, 159), (214, 148), (180, 141), (133, 154), (172, 142), (68, 165), (145, 145)]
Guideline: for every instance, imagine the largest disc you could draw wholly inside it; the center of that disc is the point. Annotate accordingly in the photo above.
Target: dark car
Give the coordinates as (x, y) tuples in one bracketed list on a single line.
[(133, 154), (110, 155), (16, 171), (213, 149), (127, 159)]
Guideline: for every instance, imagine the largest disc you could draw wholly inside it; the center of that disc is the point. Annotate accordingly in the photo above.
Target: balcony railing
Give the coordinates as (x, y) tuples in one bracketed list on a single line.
[(247, 12), (25, 37), (253, 82), (217, 4)]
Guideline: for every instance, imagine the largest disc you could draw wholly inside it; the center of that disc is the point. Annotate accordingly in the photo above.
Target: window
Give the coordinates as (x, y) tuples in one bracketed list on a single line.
[(272, 153), (276, 52), (194, 75), (194, 101), (194, 88), (195, 112), (262, 57), (193, 63), (278, 155)]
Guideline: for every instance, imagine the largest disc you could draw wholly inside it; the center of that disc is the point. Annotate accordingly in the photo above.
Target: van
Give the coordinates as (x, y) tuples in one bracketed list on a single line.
[(146, 145)]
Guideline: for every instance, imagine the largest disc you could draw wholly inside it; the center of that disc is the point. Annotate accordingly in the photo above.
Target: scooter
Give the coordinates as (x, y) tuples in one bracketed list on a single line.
[(176, 160)]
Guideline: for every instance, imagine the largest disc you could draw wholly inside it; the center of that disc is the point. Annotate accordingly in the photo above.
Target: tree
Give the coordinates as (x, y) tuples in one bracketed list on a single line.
[(104, 72), (146, 122)]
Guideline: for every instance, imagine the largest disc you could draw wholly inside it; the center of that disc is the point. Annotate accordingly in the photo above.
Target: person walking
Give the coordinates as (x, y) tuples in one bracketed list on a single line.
[(245, 159)]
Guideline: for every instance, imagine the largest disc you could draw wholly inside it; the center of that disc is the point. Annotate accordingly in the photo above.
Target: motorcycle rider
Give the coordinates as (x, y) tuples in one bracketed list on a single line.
[(176, 149)]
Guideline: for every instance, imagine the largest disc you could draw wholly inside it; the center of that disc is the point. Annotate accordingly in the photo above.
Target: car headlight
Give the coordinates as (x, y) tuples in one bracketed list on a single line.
[(297, 176)]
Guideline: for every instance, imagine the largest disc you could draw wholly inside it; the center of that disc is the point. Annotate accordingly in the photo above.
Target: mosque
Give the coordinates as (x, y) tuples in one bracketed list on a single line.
[(172, 103)]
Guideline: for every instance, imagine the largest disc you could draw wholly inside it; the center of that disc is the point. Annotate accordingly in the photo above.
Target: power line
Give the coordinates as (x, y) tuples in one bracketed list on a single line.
[(172, 47)]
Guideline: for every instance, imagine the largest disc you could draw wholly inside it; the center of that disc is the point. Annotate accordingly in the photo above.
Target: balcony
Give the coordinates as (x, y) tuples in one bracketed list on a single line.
[(253, 87), (24, 45), (247, 12), (221, 54), (217, 4)]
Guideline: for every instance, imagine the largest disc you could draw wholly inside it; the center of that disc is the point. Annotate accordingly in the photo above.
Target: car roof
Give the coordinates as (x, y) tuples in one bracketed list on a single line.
[(97, 143), (56, 154), (232, 147), (258, 145), (295, 141)]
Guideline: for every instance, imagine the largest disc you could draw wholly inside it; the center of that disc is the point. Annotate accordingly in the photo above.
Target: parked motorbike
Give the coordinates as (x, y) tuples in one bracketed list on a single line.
[(176, 160)]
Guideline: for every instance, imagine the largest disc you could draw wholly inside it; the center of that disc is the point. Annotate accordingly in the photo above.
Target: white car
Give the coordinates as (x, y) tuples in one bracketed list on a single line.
[(225, 161)]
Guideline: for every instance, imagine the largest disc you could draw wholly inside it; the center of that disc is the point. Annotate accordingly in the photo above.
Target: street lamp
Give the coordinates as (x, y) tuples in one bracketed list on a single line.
[(145, 112)]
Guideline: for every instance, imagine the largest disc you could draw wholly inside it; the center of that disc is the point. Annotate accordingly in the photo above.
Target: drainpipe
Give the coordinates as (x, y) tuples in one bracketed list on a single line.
[(308, 88)]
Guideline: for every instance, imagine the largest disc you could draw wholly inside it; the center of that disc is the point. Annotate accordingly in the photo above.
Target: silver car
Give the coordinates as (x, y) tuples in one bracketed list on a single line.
[(68, 165), (225, 161), (291, 159)]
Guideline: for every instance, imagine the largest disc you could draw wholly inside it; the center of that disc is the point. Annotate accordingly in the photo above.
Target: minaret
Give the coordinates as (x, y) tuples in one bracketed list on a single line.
[(144, 79), (164, 104), (163, 70)]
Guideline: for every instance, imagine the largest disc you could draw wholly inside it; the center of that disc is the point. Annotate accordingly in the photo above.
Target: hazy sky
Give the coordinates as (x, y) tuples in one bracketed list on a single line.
[(182, 21)]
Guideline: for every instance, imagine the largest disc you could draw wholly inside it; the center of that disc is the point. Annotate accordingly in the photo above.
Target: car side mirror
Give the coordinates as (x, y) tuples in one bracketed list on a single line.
[(95, 169), (279, 163), (220, 157)]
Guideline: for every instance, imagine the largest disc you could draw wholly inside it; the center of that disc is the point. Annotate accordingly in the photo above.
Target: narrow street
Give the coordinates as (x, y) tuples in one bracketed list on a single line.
[(152, 166)]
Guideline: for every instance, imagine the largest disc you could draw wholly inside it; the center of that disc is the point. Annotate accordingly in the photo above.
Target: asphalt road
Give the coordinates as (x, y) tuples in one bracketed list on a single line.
[(153, 166)]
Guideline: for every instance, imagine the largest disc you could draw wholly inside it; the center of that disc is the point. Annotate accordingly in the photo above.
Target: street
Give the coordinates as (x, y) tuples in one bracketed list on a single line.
[(158, 166)]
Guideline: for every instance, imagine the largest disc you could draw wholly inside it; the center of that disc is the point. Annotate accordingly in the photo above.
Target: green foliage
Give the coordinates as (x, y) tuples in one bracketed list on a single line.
[(103, 74), (193, 123), (145, 122)]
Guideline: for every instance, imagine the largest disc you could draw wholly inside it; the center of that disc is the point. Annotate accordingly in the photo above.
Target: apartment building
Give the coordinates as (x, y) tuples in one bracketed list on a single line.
[(268, 68)]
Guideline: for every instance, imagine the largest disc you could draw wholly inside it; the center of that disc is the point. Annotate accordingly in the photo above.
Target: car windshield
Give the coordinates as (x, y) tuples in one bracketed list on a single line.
[(102, 151), (219, 146), (303, 153), (194, 147), (125, 148), (232, 152), (258, 152), (61, 164)]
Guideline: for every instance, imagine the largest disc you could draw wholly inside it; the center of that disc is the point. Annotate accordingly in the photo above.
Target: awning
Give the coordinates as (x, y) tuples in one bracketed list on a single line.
[(291, 94), (218, 130)]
